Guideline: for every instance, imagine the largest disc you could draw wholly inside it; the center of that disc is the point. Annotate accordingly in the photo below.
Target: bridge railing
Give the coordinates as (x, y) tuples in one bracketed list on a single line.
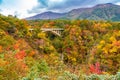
[(49, 29)]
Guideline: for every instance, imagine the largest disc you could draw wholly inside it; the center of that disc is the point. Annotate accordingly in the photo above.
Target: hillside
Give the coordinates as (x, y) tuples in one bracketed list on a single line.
[(85, 48), (47, 15), (106, 11)]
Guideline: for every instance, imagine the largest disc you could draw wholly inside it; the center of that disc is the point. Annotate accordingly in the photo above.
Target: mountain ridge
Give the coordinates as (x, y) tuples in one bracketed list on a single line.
[(47, 15), (106, 11)]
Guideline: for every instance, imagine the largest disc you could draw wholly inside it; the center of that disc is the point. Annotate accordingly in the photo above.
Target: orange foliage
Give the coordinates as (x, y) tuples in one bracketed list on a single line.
[(16, 46), (20, 55), (0, 48), (32, 53), (22, 64), (116, 43)]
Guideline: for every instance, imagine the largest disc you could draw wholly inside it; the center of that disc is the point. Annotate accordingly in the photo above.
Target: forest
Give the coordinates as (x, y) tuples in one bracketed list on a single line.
[(86, 50)]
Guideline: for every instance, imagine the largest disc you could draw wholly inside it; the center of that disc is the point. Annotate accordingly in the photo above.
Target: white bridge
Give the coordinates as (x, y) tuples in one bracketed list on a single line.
[(56, 31)]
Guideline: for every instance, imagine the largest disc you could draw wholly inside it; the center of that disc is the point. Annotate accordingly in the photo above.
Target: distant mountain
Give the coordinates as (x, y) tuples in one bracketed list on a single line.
[(106, 11), (99, 12), (47, 15)]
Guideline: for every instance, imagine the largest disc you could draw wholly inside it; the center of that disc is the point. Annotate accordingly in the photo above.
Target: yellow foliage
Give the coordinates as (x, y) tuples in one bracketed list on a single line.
[(2, 62), (118, 33), (102, 42), (114, 49), (74, 59), (75, 53), (99, 46), (105, 50), (29, 34), (41, 47), (2, 32), (51, 48), (105, 25), (41, 35), (108, 46), (112, 39)]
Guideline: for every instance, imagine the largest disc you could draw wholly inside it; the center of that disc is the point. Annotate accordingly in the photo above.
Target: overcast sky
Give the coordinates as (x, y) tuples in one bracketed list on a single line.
[(25, 8)]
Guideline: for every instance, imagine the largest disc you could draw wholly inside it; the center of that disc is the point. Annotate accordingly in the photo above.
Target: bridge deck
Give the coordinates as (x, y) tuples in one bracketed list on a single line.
[(51, 29), (56, 31)]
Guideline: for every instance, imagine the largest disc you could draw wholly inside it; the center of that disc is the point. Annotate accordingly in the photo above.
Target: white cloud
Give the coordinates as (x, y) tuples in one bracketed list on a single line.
[(118, 3), (56, 0), (105, 1), (19, 6)]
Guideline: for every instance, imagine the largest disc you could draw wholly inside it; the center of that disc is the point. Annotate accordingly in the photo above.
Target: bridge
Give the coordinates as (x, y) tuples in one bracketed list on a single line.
[(56, 31)]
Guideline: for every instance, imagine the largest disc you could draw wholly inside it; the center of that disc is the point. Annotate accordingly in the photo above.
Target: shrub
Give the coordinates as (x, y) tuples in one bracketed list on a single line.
[(103, 77), (38, 70), (68, 76)]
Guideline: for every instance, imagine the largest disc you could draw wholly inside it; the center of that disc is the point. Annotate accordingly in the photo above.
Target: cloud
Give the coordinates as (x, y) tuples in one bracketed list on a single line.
[(59, 5), (47, 5), (25, 8), (0, 10), (71, 4), (106, 1), (65, 5), (118, 3), (19, 6), (43, 3)]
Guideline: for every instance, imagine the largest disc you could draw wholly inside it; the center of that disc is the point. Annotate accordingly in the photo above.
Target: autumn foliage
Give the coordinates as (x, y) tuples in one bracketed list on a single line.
[(84, 47), (20, 55), (95, 69)]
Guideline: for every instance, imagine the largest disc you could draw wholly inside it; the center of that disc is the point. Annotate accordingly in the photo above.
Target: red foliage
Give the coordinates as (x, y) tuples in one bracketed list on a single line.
[(68, 50), (8, 48), (20, 55), (95, 68)]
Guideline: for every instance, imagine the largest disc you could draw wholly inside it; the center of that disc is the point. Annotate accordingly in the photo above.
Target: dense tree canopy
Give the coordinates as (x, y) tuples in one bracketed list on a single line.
[(87, 46)]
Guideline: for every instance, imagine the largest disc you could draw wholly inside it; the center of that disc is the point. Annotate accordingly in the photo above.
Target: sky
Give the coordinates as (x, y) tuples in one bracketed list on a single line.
[(26, 8)]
